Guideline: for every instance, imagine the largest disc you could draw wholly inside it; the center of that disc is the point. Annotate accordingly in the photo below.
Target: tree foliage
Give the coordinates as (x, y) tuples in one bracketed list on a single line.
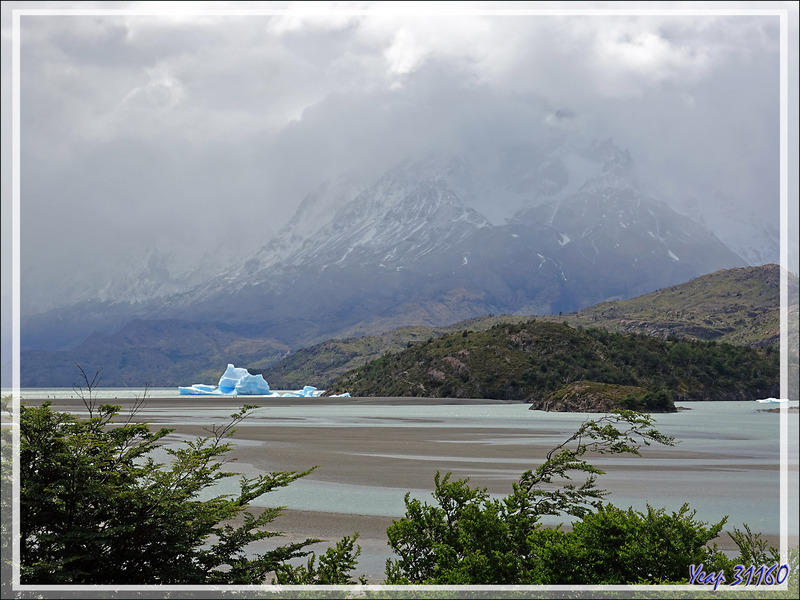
[(468, 537), (472, 538), (616, 546), (530, 361), (333, 568), (100, 506)]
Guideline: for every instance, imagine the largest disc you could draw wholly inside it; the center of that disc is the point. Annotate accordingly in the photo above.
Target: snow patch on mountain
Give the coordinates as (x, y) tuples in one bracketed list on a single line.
[(537, 228), (315, 212), (410, 211)]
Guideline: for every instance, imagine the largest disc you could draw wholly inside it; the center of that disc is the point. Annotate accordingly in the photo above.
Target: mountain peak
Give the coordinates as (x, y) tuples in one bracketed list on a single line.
[(414, 245)]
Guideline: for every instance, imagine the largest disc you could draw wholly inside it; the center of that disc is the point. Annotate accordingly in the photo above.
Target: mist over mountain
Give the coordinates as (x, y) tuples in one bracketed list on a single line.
[(291, 175), (572, 227)]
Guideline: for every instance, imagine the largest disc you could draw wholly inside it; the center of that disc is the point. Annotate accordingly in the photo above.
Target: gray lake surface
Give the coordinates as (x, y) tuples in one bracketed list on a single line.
[(740, 480)]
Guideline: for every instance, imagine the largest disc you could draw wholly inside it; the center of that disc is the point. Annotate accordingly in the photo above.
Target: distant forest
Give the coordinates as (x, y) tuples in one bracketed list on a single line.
[(529, 361)]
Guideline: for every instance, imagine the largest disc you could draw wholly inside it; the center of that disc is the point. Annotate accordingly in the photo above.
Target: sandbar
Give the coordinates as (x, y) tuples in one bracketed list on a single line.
[(389, 456)]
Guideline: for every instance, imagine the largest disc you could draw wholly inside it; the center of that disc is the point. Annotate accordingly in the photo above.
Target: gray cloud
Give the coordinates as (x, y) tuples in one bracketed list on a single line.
[(193, 133)]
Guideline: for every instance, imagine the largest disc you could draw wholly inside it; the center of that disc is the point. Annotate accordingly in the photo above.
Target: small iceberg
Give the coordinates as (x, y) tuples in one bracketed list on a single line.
[(236, 381), (772, 400), (308, 391)]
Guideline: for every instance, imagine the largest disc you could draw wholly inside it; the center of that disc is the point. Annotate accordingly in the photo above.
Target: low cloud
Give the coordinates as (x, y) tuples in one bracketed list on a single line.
[(191, 132)]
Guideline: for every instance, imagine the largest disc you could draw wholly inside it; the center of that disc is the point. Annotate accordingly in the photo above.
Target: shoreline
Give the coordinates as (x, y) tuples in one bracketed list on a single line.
[(371, 458), (268, 401), (212, 401)]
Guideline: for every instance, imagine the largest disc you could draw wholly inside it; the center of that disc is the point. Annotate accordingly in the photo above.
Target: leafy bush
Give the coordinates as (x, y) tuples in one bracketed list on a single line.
[(97, 508), (616, 546), (470, 538)]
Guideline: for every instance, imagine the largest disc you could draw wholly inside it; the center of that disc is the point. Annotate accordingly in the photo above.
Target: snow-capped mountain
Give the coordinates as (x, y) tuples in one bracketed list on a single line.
[(413, 246), (530, 230), (409, 213), (314, 214)]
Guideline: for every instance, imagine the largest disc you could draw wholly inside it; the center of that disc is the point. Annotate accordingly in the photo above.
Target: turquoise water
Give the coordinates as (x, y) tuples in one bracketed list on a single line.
[(740, 478), (743, 483)]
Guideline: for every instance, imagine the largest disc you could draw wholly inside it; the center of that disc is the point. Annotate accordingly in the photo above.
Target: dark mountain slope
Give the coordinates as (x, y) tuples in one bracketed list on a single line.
[(162, 353), (739, 306)]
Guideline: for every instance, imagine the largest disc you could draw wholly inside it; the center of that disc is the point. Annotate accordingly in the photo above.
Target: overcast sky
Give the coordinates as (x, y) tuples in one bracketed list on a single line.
[(173, 128)]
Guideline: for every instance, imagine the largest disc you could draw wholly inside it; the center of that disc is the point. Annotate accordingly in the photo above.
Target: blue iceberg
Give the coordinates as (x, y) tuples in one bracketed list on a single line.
[(236, 381)]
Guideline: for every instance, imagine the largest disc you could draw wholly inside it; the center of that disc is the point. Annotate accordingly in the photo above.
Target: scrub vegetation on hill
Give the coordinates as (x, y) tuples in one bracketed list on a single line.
[(530, 361), (322, 363), (737, 306)]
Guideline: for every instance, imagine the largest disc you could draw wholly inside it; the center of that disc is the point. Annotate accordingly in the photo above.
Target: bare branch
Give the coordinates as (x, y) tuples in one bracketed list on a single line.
[(86, 393), (139, 403)]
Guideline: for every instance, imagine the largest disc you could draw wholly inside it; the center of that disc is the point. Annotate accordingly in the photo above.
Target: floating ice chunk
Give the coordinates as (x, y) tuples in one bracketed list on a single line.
[(308, 391), (239, 382), (234, 382), (230, 379), (205, 388), (199, 389), (252, 385)]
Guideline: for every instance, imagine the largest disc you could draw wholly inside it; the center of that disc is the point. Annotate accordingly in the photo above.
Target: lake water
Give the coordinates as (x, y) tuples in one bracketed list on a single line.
[(743, 483), (105, 393), (741, 480), (726, 462)]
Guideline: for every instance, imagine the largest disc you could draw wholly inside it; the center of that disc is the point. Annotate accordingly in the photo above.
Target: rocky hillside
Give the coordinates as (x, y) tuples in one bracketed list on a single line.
[(529, 361), (323, 363), (739, 306)]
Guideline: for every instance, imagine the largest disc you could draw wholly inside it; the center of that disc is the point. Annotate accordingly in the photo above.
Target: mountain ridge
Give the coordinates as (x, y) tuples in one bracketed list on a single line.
[(748, 297), (739, 305), (412, 246), (150, 355)]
